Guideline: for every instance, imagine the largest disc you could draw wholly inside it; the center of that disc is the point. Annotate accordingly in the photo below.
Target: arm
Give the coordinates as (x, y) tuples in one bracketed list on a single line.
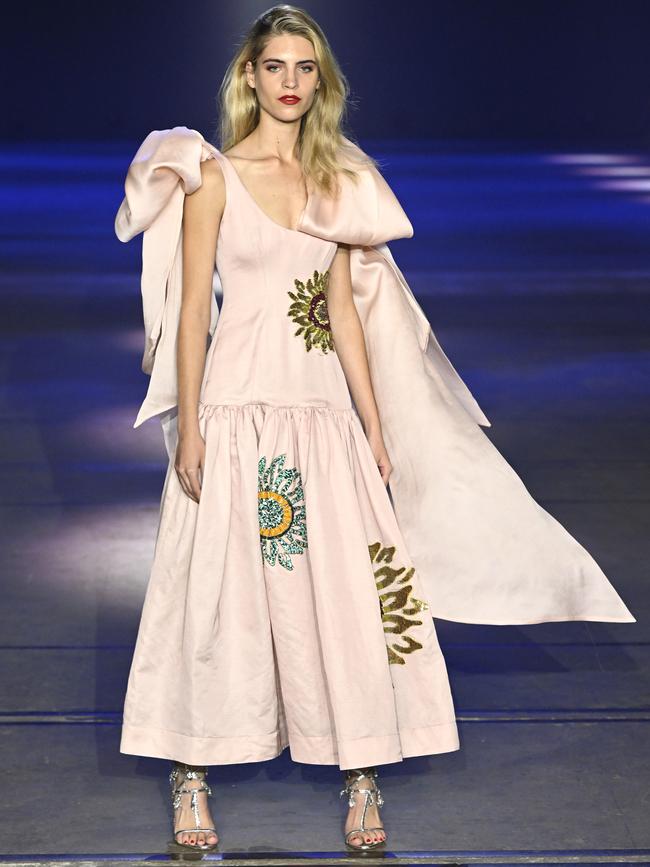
[(202, 211), (347, 333)]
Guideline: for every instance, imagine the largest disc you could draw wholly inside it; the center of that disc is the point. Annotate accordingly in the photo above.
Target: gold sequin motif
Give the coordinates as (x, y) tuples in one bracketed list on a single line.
[(396, 602), (309, 311)]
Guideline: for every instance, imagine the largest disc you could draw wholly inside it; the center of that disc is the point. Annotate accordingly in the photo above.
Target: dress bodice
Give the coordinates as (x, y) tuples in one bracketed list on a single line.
[(273, 341)]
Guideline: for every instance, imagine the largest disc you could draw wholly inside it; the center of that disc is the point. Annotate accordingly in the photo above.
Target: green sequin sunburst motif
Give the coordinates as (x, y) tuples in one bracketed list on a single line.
[(281, 511), (397, 604), (309, 311)]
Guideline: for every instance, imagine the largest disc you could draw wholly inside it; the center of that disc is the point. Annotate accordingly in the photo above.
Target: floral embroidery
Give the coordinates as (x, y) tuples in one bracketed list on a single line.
[(309, 311), (281, 511), (396, 603)]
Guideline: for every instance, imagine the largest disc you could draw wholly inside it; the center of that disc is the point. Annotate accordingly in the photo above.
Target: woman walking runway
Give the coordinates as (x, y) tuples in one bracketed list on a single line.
[(286, 606)]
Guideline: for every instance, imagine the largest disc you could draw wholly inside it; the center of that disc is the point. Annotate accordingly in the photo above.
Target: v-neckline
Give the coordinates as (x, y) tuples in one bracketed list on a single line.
[(260, 209)]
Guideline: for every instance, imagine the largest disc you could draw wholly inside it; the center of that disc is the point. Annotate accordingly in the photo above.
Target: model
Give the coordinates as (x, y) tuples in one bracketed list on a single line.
[(329, 487)]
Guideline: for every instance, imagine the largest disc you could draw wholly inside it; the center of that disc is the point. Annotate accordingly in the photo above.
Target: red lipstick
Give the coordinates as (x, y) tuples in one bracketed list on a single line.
[(289, 99)]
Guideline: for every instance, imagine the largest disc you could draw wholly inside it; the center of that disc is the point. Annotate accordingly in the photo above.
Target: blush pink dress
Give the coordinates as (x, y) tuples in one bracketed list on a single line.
[(282, 609)]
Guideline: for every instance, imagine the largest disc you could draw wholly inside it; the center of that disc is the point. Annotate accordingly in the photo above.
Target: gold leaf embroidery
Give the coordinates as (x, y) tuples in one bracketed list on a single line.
[(396, 602), (309, 311)]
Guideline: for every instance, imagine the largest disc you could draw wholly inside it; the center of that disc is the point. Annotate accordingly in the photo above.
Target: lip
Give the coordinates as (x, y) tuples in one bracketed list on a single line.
[(289, 100)]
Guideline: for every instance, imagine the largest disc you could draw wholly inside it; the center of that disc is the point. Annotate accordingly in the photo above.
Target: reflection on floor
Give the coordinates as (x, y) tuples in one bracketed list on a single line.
[(533, 269)]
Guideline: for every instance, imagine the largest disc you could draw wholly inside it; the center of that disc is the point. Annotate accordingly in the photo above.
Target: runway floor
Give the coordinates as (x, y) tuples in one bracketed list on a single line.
[(532, 265)]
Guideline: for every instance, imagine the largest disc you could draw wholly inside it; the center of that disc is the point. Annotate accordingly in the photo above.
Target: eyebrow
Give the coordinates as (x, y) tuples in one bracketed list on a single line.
[(277, 60)]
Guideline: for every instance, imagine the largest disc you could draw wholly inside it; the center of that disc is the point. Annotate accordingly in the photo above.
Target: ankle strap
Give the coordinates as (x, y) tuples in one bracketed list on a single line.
[(189, 772), (358, 773)]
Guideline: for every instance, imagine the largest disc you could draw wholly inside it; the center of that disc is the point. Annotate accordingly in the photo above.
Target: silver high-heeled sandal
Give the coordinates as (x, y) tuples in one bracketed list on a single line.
[(372, 795), (190, 773)]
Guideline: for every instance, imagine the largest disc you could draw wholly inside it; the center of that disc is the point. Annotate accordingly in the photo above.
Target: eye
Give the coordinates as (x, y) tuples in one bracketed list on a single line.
[(272, 66), (307, 68)]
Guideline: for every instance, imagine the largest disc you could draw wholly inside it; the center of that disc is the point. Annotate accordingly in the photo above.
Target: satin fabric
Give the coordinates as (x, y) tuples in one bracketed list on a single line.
[(486, 551), (240, 655)]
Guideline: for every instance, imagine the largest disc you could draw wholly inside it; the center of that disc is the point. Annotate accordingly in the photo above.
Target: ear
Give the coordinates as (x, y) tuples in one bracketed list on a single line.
[(250, 74)]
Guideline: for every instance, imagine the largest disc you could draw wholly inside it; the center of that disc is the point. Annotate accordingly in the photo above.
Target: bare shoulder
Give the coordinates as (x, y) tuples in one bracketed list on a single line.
[(211, 168), (209, 198), (212, 175)]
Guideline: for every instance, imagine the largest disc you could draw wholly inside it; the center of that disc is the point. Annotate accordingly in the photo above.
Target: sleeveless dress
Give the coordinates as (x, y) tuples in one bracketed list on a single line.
[(282, 609)]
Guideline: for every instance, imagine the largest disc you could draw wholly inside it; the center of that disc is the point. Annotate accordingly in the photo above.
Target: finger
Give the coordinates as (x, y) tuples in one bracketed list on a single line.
[(196, 489), (187, 485), (194, 483), (187, 488), (181, 481)]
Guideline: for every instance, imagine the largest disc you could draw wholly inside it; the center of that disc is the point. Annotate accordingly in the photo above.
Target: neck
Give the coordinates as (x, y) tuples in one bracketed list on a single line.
[(273, 138)]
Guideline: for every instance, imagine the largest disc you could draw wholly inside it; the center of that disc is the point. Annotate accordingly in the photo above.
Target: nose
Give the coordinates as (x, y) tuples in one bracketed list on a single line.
[(290, 80)]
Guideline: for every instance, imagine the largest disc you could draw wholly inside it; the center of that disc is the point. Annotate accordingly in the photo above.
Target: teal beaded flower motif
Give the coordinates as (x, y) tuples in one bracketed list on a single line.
[(396, 603), (309, 311), (281, 511)]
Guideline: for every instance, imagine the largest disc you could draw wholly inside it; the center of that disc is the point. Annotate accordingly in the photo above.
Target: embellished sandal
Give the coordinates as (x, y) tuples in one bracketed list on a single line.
[(371, 794), (178, 790)]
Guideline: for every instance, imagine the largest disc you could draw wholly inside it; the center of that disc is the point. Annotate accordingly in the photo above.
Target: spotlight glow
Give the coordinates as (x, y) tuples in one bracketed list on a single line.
[(593, 159)]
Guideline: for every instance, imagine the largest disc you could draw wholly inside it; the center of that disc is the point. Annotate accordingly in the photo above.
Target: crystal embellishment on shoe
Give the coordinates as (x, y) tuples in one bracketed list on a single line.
[(178, 790), (372, 795)]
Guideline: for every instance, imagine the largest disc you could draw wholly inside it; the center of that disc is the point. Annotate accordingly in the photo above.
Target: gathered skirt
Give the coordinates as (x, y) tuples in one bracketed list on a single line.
[(283, 609)]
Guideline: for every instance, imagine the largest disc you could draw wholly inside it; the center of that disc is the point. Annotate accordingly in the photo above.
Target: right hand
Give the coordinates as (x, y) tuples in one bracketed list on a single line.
[(189, 464)]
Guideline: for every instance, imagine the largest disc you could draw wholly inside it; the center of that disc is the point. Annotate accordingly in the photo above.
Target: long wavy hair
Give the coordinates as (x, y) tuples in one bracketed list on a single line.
[(322, 149)]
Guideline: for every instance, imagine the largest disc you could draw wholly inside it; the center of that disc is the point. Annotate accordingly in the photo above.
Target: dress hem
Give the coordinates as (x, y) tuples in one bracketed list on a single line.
[(354, 753), (485, 620)]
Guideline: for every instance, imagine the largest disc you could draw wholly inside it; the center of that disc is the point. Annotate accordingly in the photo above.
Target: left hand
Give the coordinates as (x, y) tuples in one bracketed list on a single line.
[(380, 454)]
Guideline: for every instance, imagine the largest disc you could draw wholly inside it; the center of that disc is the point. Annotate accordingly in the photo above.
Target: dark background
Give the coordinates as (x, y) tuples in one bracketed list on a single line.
[(570, 71)]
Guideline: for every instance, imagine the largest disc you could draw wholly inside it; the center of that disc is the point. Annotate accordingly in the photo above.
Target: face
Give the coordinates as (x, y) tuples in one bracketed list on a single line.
[(285, 77)]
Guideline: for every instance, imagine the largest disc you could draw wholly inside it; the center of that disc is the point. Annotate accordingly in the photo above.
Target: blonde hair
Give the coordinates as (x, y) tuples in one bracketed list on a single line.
[(323, 151)]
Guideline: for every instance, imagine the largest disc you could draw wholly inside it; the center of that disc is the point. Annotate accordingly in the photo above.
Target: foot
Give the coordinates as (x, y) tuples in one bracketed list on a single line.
[(184, 814), (372, 818)]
